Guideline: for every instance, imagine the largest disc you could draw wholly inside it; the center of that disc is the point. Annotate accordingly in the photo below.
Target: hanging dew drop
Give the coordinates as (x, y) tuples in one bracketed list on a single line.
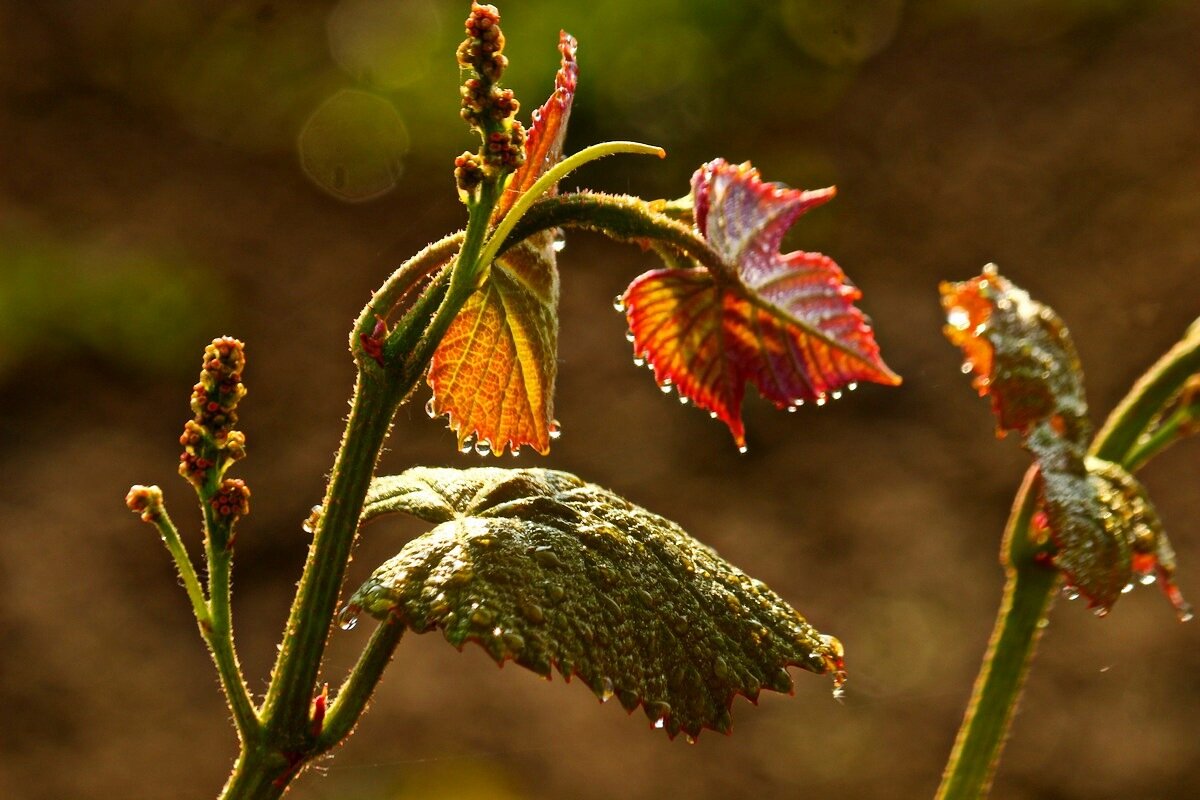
[(852, 386), (821, 400), (606, 690), (514, 451), (1148, 579), (958, 318), (483, 448), (429, 409), (619, 304), (683, 401), (743, 449), (791, 409), (967, 366), (555, 430), (660, 723), (629, 337), (560, 241), (638, 361), (837, 395), (348, 618), (1127, 588)]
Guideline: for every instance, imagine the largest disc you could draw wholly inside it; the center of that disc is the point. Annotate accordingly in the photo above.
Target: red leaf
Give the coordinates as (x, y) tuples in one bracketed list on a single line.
[(783, 322), (494, 371), (544, 143)]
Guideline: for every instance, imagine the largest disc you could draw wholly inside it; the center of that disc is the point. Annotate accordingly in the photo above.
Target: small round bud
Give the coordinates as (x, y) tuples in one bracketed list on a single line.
[(145, 500), (232, 500)]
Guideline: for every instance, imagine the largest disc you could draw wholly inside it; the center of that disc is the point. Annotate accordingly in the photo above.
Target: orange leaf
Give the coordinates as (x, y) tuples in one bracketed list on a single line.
[(783, 322), (494, 371)]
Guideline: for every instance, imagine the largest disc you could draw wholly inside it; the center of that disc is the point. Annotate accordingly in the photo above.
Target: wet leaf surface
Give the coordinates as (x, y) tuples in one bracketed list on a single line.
[(785, 323), (1102, 524), (544, 569), (495, 370)]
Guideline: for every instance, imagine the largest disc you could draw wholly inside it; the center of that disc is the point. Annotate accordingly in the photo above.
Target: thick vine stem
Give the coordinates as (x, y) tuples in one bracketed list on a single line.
[(285, 710), (1031, 579)]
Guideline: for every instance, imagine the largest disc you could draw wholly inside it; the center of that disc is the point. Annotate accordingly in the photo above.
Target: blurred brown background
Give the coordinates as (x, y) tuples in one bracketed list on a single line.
[(174, 171)]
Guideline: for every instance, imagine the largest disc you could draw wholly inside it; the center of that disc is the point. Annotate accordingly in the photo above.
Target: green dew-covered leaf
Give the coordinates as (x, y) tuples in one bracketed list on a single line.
[(544, 569)]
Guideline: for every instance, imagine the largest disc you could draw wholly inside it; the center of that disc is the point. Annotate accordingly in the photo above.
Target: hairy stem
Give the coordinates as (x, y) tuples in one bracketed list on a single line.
[(1031, 580), (256, 776), (183, 563), (396, 288), (352, 698), (294, 678), (220, 634)]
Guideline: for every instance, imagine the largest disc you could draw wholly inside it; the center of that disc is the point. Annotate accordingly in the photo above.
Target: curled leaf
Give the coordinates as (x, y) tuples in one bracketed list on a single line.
[(551, 572), (493, 373), (1101, 523), (786, 323)]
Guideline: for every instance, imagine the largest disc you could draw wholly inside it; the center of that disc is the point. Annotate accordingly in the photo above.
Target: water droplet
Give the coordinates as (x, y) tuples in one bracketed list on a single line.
[(839, 691), (1148, 579), (712, 415), (958, 318), (514, 450), (1127, 588), (429, 408), (683, 401), (483, 448), (852, 386), (560, 241), (1070, 592), (666, 386), (660, 723), (466, 445), (689, 738), (638, 361), (743, 449), (348, 617), (791, 409), (967, 366), (837, 395), (821, 400), (629, 336), (619, 304), (1100, 611), (555, 429), (605, 692)]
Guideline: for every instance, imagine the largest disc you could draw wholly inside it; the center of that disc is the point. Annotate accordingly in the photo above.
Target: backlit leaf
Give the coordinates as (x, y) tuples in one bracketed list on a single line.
[(493, 373), (541, 568), (786, 323), (1103, 527)]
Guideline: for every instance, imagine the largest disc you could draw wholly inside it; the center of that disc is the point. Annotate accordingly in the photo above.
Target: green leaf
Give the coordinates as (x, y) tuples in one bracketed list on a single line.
[(544, 569)]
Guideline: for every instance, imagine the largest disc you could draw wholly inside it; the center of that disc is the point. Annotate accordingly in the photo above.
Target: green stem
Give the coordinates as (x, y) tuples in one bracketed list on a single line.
[(396, 287), (256, 776), (1028, 594), (1174, 428), (351, 699), (621, 217), (550, 179), (220, 635), (1031, 580), (1129, 421), (183, 563), (294, 679), (463, 281)]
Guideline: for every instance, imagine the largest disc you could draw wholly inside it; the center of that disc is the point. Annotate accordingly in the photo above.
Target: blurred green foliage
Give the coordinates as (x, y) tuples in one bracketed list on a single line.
[(61, 299)]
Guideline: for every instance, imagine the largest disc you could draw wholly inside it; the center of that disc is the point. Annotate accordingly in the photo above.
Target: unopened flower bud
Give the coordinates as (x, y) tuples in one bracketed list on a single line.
[(232, 500), (145, 500)]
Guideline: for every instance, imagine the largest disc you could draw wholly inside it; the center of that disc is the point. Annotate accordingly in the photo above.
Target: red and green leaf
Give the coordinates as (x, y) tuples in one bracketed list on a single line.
[(493, 374), (1102, 525), (785, 323)]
